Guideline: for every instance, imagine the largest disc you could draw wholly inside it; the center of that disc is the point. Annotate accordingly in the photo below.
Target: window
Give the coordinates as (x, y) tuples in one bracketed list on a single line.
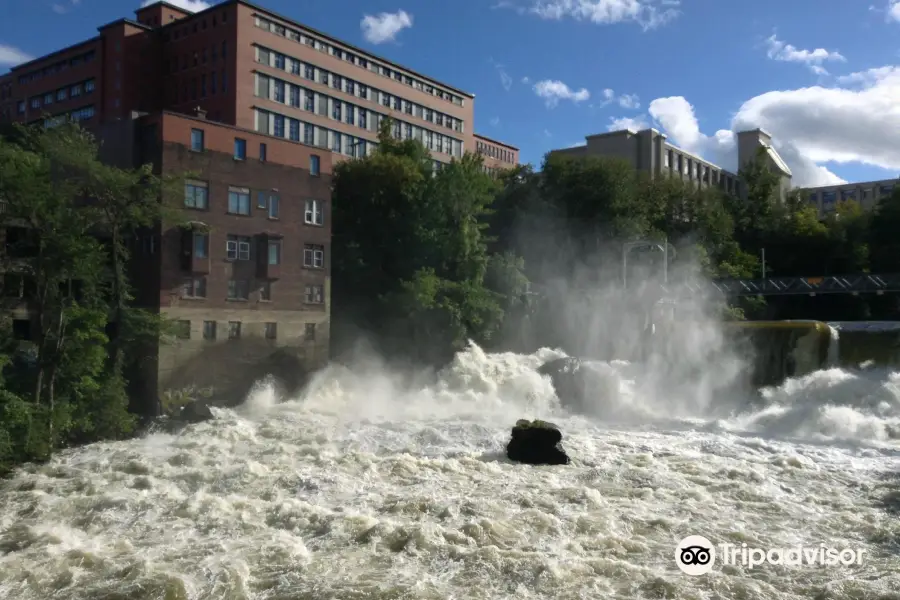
[(200, 245), (336, 140), (61, 94), (238, 201), (237, 248), (315, 294), (238, 289), (314, 165), (265, 291), (274, 208), (274, 252), (262, 153), (234, 330), (240, 149), (310, 332), (278, 126), (261, 200), (271, 331), (89, 86), (308, 134), (314, 256), (197, 140), (183, 330), (212, 83), (20, 107), (313, 215), (209, 330), (196, 195), (194, 287), (668, 158)]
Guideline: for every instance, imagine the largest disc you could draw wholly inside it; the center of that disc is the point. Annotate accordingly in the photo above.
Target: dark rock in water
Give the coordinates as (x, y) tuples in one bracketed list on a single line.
[(195, 412), (570, 380), (536, 443)]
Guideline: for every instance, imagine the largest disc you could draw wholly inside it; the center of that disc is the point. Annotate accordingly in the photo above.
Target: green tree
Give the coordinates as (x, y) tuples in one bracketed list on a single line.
[(410, 251)]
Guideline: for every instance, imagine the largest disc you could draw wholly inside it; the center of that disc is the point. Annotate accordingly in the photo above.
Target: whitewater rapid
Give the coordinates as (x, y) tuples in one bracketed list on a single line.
[(366, 488)]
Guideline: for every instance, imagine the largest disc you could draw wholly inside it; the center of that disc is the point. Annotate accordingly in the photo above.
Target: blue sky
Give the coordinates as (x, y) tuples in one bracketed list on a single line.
[(823, 76)]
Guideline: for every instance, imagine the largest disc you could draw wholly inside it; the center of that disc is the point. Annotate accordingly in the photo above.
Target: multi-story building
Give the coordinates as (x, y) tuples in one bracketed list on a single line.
[(245, 66), (497, 156), (649, 151), (259, 107), (868, 193)]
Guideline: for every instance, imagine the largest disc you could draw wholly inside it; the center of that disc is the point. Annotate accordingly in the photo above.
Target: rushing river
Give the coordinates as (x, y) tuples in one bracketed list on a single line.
[(364, 489)]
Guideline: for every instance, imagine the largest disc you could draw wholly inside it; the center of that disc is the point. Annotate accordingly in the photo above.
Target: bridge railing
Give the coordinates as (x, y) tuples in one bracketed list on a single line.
[(860, 283)]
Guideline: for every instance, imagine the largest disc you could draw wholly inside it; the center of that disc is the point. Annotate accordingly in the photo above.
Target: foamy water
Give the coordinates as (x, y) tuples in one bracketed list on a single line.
[(364, 490)]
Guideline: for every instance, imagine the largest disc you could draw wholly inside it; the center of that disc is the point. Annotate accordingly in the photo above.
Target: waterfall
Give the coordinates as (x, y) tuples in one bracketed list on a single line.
[(833, 359)]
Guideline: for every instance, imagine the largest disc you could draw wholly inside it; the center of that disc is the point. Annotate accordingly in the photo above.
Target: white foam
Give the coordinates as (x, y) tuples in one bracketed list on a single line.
[(373, 485)]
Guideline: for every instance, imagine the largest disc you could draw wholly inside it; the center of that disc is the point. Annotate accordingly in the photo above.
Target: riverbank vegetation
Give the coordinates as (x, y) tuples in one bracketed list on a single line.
[(69, 333)]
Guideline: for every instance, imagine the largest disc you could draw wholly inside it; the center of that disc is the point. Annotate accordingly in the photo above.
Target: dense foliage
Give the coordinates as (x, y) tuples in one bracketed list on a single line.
[(69, 330), (424, 261)]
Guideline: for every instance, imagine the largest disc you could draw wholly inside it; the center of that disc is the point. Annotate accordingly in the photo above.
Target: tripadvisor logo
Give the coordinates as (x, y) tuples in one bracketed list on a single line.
[(696, 555)]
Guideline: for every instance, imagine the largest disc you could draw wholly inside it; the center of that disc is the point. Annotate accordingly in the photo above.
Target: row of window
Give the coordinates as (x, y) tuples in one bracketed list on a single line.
[(283, 92), (176, 32), (829, 197), (197, 58), (240, 248), (58, 67), (278, 125), (79, 114), (194, 288), (680, 163), (359, 61), (207, 84), (495, 152), (270, 58), (198, 144), (60, 95), (210, 330), (196, 196)]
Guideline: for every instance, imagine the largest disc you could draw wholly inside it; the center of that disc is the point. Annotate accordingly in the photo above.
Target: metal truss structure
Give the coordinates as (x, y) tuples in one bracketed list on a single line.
[(860, 283)]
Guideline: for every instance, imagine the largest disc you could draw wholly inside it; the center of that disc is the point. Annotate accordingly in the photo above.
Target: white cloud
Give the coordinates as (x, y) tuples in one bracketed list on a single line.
[(505, 80), (526, 80), (11, 57), (893, 10), (188, 5), (385, 26), (784, 52), (632, 123), (649, 14), (495, 122), (552, 91), (629, 101)]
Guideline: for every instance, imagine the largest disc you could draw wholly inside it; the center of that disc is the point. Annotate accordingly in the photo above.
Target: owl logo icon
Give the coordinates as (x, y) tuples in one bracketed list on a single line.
[(695, 555)]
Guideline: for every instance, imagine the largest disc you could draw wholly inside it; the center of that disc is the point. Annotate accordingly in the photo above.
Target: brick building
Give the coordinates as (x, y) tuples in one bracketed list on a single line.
[(245, 66), (497, 156), (260, 107)]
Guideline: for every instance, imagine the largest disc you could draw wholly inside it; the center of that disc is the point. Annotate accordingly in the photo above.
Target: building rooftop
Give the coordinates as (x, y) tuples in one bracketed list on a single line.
[(493, 141), (316, 32)]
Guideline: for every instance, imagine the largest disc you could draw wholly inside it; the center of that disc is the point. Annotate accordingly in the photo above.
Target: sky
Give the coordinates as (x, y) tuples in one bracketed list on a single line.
[(822, 76)]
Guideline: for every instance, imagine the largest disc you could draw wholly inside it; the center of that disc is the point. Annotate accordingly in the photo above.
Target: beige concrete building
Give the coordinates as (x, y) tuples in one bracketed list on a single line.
[(867, 193), (649, 151)]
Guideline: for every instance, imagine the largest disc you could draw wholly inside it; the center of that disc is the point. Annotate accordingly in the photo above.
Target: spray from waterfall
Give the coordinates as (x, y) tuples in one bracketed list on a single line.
[(833, 359)]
